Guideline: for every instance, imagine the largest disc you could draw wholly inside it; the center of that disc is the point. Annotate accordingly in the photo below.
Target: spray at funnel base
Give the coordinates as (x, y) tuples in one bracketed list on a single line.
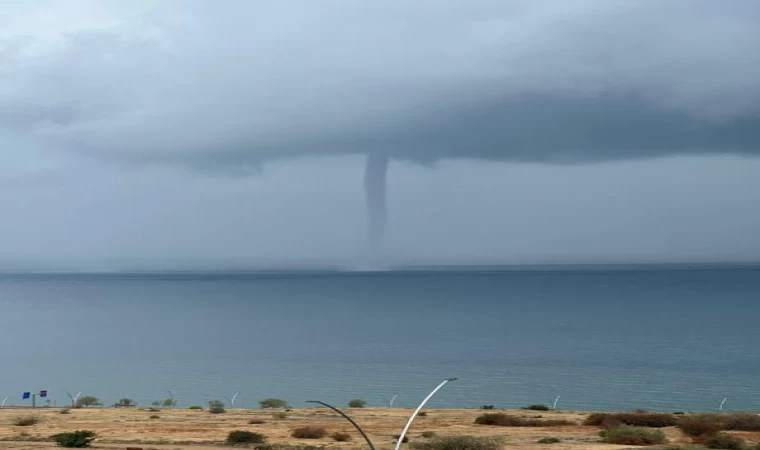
[(377, 214)]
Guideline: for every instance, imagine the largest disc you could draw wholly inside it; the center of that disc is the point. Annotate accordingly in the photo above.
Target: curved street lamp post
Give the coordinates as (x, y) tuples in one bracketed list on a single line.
[(356, 425), (416, 411)]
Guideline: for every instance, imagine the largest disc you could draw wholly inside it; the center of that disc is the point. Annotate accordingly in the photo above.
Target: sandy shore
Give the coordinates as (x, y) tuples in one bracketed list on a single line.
[(181, 428)]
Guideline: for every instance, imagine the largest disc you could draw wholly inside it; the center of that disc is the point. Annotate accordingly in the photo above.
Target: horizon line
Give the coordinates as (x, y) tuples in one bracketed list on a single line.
[(391, 268)]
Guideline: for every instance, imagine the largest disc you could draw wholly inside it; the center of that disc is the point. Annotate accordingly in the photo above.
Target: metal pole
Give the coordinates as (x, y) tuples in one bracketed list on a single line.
[(416, 411), (356, 425), (73, 398), (390, 402), (34, 400)]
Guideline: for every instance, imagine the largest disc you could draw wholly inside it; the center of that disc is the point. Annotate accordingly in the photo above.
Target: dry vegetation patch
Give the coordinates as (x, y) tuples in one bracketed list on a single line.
[(653, 420), (505, 420)]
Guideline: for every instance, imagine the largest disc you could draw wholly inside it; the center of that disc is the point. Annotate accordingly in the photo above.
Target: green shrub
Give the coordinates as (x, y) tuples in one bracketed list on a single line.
[(406, 438), (125, 403), (280, 415), (273, 403), (537, 407), (244, 437), (457, 443), (698, 424), (309, 433), (548, 440), (428, 434), (216, 407), (629, 435), (25, 421), (422, 414), (65, 411), (74, 439), (637, 419), (87, 400), (504, 420), (341, 437), (724, 441), (487, 407), (357, 403), (196, 407), (256, 422), (154, 416)]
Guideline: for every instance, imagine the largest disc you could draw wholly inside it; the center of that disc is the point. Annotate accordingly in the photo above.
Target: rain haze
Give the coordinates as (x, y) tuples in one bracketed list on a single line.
[(261, 134)]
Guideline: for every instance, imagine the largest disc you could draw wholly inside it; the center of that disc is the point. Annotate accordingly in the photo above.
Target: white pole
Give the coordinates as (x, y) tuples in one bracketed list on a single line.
[(390, 402), (720, 408), (416, 411), (73, 398), (554, 406), (232, 402), (3, 404)]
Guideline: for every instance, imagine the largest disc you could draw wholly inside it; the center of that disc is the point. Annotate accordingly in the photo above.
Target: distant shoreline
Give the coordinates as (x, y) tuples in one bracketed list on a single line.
[(395, 269)]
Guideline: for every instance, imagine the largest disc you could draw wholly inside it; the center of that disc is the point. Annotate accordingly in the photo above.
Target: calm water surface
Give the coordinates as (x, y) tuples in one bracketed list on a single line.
[(672, 338)]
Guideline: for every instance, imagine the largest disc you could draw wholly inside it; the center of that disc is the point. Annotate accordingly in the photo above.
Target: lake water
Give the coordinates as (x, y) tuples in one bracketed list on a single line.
[(603, 338)]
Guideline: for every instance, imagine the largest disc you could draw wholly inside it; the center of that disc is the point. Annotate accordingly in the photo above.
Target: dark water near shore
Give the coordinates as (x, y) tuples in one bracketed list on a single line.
[(663, 338)]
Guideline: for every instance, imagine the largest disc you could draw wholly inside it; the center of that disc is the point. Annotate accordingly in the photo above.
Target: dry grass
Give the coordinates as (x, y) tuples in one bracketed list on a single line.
[(725, 441), (183, 429), (705, 424), (698, 424), (739, 421)]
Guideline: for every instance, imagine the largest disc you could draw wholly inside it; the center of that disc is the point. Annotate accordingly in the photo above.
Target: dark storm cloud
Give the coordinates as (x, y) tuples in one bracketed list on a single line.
[(550, 129), (225, 87)]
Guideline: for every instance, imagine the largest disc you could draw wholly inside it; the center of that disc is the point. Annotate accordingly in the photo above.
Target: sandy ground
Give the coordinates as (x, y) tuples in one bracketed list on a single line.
[(187, 429)]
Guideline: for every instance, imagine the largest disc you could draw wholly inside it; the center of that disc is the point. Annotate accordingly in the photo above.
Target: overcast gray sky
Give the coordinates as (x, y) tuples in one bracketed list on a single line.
[(198, 133)]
